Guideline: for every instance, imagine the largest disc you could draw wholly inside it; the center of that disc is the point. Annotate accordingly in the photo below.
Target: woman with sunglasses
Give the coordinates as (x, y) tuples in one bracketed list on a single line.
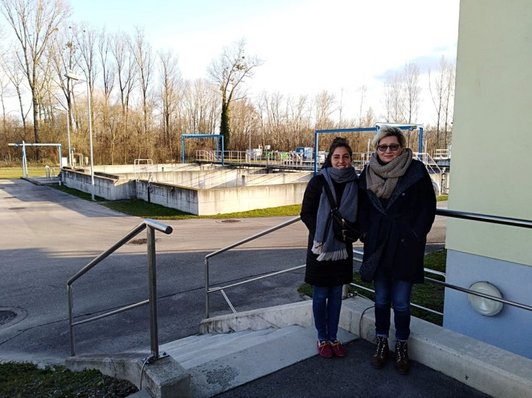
[(397, 206)]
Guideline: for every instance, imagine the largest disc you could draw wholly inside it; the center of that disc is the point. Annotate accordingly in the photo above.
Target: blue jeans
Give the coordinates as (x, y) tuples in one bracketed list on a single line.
[(326, 305), (394, 293)]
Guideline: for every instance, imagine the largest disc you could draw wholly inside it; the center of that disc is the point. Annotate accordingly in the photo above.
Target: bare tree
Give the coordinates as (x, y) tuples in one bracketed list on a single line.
[(144, 60), (108, 74), (274, 118), (299, 114), (393, 99), (107, 68), (441, 86), (3, 91), (244, 132), (363, 91), (11, 68), (450, 76), (324, 103), (169, 97), (229, 72), (200, 107), (412, 91), (34, 22), (124, 62)]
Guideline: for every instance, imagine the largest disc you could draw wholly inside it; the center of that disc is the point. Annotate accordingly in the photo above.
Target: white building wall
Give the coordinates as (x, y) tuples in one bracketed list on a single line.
[(492, 137)]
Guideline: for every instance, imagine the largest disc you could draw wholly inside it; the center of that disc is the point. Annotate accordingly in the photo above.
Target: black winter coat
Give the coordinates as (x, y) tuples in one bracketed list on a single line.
[(323, 273), (401, 223)]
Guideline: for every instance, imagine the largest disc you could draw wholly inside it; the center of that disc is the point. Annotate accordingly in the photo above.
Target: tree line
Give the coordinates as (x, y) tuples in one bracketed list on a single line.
[(140, 104)]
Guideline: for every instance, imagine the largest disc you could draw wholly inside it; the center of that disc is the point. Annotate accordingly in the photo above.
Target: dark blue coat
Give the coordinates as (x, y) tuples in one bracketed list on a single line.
[(401, 223)]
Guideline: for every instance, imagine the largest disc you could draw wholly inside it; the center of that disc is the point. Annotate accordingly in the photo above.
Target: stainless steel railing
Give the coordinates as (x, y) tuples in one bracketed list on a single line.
[(515, 222), (357, 256), (151, 226), (221, 289)]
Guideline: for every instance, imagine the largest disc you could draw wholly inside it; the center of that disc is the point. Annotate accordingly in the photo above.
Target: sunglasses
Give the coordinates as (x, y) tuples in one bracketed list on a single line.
[(391, 147)]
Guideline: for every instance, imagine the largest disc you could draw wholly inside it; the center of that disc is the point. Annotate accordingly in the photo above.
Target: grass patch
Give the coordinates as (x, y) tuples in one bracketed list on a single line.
[(28, 380), (143, 209), (75, 192), (9, 172), (140, 208)]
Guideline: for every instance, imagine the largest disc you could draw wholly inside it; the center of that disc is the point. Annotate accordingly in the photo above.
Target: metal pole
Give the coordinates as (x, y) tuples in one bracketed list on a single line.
[(152, 276), (90, 138), (68, 124), (420, 140), (71, 319), (223, 149), (24, 161), (315, 165), (207, 298)]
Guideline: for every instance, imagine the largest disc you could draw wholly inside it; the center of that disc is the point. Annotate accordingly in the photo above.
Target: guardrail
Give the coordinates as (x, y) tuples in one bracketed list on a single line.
[(221, 289), (357, 256), (151, 226)]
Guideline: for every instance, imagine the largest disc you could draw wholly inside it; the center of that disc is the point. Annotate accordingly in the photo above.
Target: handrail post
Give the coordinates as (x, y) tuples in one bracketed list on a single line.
[(70, 319), (207, 298), (152, 276)]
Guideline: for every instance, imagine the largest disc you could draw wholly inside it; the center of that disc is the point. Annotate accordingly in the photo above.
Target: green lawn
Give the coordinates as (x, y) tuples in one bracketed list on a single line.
[(27, 380), (16, 172)]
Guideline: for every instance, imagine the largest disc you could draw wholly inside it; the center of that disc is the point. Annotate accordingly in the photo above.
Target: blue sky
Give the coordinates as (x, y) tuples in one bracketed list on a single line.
[(307, 45)]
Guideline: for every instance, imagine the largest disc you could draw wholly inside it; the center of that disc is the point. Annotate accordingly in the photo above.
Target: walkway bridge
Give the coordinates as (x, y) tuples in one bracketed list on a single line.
[(285, 161)]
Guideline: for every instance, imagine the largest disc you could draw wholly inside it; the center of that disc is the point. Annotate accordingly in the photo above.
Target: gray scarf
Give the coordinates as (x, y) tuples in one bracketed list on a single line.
[(325, 246), (382, 178)]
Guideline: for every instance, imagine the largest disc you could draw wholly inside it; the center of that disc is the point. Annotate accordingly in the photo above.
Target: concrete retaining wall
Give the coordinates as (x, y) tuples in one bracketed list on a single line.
[(200, 190), (107, 187)]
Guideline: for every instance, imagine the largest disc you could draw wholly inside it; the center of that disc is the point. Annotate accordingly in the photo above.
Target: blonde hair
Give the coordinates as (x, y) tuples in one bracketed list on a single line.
[(389, 131)]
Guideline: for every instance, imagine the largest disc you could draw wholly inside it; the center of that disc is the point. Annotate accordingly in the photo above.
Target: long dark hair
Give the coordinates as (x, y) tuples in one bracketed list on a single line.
[(338, 142)]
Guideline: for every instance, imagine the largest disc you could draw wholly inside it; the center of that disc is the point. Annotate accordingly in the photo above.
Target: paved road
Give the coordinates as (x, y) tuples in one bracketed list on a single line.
[(47, 236)]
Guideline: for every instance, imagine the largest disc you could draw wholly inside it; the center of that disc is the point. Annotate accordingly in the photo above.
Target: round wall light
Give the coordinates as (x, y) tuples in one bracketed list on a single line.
[(482, 305)]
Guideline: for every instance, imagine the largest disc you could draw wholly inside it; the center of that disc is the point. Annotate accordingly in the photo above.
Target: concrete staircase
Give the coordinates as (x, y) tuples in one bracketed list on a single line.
[(219, 362), (237, 348)]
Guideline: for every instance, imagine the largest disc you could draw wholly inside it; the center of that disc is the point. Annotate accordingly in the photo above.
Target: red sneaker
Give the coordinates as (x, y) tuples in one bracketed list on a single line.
[(338, 349), (324, 349)]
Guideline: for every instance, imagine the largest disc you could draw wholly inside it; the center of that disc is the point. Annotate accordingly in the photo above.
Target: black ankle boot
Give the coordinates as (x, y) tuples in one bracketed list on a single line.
[(381, 353), (402, 364)]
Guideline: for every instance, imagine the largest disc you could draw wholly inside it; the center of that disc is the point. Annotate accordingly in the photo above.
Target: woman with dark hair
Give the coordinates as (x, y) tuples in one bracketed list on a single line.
[(329, 261), (397, 209)]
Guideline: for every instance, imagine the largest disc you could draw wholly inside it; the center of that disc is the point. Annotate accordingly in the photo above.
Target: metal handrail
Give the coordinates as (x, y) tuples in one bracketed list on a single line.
[(151, 226), (226, 248), (514, 222), (442, 212)]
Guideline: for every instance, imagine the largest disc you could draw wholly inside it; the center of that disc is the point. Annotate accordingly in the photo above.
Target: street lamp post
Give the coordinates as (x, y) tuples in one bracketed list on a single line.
[(72, 76), (68, 123)]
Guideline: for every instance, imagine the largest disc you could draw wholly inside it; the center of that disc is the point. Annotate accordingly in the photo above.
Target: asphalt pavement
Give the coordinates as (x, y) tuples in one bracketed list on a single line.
[(48, 235)]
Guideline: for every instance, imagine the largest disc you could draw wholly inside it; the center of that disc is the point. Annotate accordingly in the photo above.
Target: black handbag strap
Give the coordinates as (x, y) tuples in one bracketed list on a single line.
[(329, 194)]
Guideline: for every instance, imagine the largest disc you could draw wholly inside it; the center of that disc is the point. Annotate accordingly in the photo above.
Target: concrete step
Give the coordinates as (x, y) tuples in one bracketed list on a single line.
[(144, 393), (219, 362)]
